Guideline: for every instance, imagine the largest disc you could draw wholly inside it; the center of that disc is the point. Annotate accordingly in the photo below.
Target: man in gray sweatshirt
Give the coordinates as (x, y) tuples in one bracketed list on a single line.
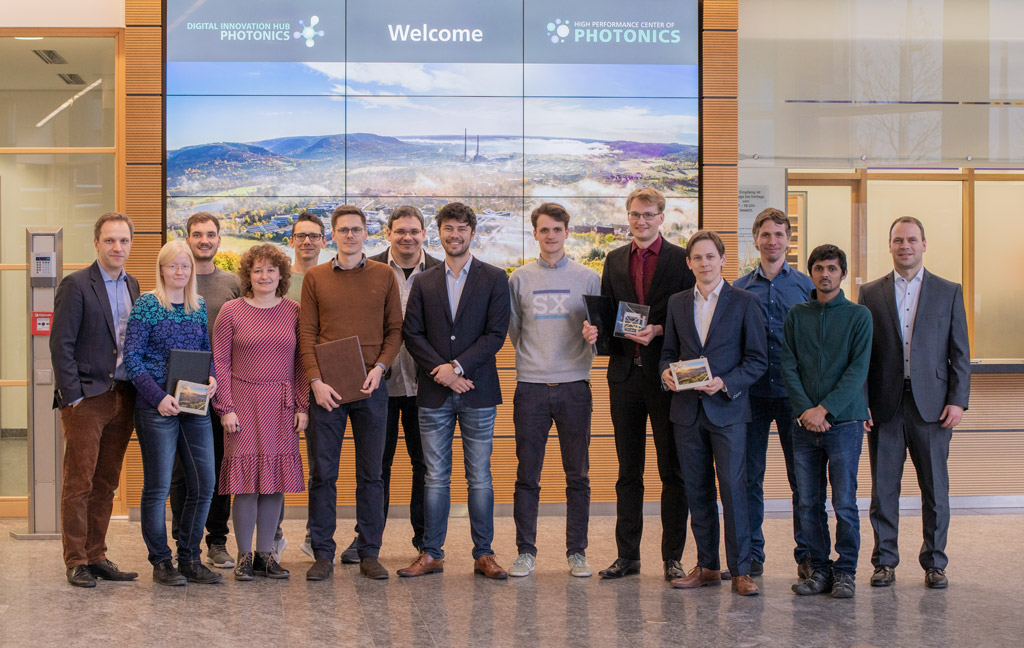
[(553, 363)]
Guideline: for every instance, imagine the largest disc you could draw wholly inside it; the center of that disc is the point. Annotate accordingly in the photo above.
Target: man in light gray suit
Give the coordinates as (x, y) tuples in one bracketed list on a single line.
[(918, 386)]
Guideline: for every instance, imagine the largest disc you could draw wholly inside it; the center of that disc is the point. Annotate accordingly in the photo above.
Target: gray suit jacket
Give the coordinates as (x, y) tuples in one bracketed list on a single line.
[(83, 341), (940, 354)]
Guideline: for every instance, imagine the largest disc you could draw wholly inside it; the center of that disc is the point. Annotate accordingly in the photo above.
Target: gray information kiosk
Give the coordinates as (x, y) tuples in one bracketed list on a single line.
[(45, 437)]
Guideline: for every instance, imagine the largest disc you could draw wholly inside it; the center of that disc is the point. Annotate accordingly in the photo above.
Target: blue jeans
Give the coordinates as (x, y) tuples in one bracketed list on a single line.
[(326, 430), (190, 436), (437, 430), (766, 410), (834, 454)]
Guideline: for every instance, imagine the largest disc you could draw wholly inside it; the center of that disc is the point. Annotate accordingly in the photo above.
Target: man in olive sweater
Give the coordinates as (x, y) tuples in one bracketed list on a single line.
[(825, 356), (350, 296)]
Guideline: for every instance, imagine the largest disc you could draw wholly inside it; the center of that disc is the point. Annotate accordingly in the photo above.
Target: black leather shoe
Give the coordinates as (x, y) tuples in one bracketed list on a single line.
[(843, 585), (726, 574), (371, 568), (756, 568), (351, 554), (673, 570), (197, 572), (264, 564), (80, 576), (935, 578), (107, 570), (164, 573), (621, 567), (243, 567), (884, 576)]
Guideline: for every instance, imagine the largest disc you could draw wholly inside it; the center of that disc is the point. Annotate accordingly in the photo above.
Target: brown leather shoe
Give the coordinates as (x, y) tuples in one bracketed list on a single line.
[(698, 577), (743, 586), (490, 568), (424, 564)]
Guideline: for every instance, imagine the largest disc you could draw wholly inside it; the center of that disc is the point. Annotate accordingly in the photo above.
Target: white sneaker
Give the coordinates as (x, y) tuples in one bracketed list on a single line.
[(279, 547), (578, 566), (523, 566)]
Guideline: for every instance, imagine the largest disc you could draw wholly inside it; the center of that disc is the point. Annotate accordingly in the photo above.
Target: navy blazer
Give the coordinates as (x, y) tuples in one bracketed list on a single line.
[(940, 352), (671, 275), (83, 339), (473, 338), (736, 349)]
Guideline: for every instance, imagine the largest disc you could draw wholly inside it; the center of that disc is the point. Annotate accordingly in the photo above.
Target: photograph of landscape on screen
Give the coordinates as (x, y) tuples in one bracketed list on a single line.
[(257, 143)]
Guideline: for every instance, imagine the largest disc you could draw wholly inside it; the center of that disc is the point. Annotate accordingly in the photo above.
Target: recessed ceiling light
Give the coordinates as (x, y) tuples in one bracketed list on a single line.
[(28, 38)]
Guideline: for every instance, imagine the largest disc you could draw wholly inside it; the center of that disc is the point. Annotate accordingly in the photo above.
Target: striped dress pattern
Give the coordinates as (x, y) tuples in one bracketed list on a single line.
[(255, 351)]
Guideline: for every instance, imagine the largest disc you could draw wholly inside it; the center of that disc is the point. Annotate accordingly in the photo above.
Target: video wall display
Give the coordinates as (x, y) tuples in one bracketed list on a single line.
[(275, 107)]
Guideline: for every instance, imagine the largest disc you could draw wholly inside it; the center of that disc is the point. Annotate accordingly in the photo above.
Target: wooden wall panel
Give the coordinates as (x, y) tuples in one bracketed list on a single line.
[(144, 56), (720, 14), (143, 12), (144, 129), (718, 131), (719, 74), (144, 200)]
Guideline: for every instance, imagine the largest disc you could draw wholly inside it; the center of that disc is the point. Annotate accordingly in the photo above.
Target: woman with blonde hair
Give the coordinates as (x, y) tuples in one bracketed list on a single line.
[(171, 316), (262, 403)]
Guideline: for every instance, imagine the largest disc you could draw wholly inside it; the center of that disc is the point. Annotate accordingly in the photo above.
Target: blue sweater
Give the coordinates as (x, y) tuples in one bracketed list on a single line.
[(152, 332)]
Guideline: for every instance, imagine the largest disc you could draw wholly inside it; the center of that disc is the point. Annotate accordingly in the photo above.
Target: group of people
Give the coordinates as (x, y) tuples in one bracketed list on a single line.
[(782, 347)]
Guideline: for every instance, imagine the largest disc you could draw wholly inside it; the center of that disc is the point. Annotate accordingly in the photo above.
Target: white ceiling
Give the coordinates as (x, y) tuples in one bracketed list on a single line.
[(21, 69)]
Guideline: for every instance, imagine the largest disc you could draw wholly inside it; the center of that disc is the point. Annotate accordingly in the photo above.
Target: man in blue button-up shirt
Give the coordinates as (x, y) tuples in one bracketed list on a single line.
[(779, 287)]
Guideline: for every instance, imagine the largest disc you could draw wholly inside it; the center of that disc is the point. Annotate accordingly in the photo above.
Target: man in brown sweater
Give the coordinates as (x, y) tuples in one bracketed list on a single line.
[(349, 296)]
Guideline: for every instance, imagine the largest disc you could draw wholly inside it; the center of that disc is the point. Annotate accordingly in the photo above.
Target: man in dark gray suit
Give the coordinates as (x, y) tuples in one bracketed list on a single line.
[(918, 387), (95, 397)]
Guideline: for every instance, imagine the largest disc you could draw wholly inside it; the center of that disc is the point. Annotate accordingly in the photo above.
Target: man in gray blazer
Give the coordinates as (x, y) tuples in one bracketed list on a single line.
[(918, 386), (95, 397)]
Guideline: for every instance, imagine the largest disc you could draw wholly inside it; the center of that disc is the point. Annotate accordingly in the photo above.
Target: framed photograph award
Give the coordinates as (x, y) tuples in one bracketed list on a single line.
[(687, 374), (193, 398), (631, 318)]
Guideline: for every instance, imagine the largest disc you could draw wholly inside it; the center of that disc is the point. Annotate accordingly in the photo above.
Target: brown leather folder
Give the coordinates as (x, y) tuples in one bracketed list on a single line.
[(342, 367)]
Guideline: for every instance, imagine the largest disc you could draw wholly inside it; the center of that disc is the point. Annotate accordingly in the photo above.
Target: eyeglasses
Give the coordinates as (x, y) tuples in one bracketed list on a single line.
[(308, 237), (403, 233), (174, 267), (354, 231), (635, 216)]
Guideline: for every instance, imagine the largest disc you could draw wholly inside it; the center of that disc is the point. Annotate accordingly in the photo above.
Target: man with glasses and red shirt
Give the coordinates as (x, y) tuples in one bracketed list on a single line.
[(647, 271)]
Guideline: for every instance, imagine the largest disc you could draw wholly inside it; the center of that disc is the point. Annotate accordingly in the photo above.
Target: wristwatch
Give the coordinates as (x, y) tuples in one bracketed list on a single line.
[(456, 367)]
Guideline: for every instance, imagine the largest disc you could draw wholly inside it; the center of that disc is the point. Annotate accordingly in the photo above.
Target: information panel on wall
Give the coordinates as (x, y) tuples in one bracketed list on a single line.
[(276, 107)]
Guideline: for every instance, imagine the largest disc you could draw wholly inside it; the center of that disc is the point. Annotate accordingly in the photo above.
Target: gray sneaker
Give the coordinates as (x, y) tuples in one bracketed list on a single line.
[(578, 566), (219, 557), (523, 566)]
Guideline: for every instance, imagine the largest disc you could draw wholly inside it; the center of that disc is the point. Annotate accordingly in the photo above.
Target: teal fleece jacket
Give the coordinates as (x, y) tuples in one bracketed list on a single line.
[(825, 355)]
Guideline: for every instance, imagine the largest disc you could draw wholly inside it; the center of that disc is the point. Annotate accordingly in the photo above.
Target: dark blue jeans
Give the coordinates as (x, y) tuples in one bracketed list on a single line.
[(834, 455), (437, 432), (161, 437), (766, 410), (326, 430), (535, 407)]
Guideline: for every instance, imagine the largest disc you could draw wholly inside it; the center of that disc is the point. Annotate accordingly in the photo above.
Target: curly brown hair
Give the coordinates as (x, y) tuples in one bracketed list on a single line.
[(266, 252)]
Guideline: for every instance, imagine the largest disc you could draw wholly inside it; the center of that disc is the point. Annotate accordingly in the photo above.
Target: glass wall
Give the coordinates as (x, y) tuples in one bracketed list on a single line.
[(55, 93)]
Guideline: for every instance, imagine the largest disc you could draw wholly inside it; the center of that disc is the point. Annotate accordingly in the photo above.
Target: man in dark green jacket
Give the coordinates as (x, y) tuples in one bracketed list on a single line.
[(825, 357)]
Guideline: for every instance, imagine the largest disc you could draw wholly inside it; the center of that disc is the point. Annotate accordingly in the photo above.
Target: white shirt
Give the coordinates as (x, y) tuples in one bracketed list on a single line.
[(704, 309), (907, 296), (455, 284)]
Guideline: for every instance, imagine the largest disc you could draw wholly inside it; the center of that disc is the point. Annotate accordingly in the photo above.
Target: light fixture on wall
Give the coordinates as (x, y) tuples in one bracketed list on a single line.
[(68, 103), (28, 38)]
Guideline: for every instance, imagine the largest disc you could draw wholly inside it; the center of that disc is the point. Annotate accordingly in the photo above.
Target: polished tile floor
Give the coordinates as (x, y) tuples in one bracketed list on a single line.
[(984, 605)]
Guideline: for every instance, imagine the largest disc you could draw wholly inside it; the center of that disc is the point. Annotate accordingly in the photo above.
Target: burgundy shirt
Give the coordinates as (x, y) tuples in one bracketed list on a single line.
[(641, 267)]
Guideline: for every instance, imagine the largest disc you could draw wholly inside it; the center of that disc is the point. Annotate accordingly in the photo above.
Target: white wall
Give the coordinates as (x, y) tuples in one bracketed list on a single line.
[(62, 13)]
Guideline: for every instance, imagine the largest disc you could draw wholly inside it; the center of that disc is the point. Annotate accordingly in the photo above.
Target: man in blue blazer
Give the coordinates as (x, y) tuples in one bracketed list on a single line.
[(95, 398), (456, 320), (724, 325)]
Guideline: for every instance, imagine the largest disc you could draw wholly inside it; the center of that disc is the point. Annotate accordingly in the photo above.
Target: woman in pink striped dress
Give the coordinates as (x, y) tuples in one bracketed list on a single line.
[(262, 401)]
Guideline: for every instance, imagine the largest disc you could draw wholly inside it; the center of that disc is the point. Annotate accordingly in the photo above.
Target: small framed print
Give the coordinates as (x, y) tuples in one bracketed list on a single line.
[(687, 374)]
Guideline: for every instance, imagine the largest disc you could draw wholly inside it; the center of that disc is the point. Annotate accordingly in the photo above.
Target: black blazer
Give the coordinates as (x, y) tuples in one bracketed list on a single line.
[(736, 349), (473, 338), (940, 353), (671, 275), (428, 261), (83, 343)]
